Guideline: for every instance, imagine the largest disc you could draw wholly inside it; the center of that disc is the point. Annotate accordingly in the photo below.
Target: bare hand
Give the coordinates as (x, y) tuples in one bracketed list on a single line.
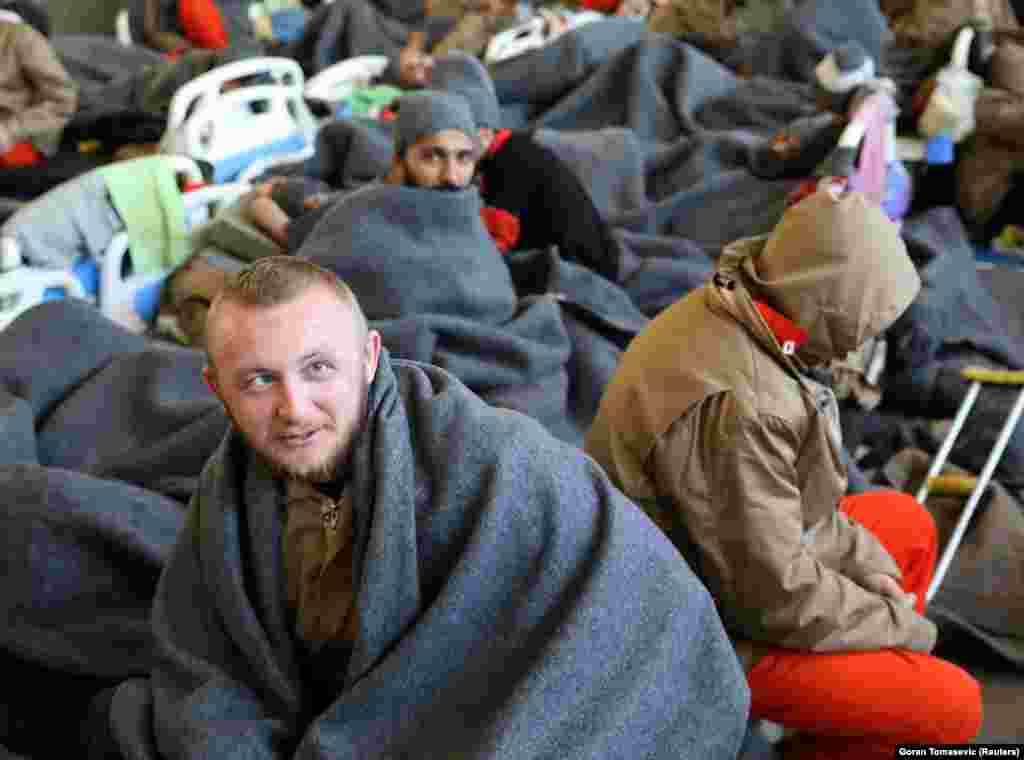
[(886, 585)]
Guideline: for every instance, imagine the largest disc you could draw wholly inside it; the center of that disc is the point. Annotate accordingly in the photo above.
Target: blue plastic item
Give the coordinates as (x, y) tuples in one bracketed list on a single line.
[(88, 273), (147, 301), (939, 150), (287, 24)]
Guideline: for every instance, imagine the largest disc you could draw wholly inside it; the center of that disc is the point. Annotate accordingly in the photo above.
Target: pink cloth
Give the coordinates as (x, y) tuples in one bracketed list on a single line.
[(870, 176)]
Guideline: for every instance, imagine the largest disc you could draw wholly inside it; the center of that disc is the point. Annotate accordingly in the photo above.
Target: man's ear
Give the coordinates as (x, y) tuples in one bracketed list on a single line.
[(396, 176), (372, 354), (210, 378)]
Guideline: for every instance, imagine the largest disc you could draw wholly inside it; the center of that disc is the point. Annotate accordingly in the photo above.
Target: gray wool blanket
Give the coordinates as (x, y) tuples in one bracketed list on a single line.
[(431, 279), (656, 268), (80, 561), (102, 438), (667, 140), (664, 138), (494, 621), (811, 29), (103, 435), (538, 78), (85, 394), (790, 51)]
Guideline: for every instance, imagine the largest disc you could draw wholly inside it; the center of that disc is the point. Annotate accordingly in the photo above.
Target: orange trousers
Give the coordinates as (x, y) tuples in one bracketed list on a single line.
[(860, 705)]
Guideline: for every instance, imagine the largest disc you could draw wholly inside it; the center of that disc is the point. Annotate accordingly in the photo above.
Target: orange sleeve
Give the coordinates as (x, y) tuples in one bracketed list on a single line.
[(503, 226), (604, 6), (202, 23)]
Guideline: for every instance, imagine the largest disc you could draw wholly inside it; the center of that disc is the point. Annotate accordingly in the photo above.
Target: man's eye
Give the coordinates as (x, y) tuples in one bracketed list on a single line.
[(257, 382), (319, 370)]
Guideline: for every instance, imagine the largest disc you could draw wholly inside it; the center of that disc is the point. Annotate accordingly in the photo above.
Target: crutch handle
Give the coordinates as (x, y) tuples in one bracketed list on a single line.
[(952, 485), (993, 376)]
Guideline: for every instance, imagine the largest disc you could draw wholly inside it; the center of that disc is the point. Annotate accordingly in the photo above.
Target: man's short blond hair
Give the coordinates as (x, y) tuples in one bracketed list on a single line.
[(276, 280)]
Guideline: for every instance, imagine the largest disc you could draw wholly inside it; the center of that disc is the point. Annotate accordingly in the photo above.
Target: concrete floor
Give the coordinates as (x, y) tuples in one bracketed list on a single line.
[(1002, 689), (1003, 695)]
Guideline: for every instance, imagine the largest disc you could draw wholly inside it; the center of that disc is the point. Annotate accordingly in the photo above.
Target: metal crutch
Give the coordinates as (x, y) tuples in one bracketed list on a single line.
[(969, 485)]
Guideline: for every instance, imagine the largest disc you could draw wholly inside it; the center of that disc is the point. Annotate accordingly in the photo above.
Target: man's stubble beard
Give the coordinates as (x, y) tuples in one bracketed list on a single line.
[(336, 465)]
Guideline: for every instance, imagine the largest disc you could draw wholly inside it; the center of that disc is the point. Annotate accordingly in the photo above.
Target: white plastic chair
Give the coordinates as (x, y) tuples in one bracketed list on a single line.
[(336, 83), (533, 34), (233, 129), (23, 287)]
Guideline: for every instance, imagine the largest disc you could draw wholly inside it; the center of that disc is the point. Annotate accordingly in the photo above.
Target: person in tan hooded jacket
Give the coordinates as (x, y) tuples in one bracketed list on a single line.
[(37, 96), (712, 424)]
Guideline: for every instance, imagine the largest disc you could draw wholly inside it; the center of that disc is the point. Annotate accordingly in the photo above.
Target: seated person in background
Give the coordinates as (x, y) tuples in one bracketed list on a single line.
[(471, 35), (162, 31), (713, 425), (477, 26), (527, 180), (436, 146), (175, 26), (436, 142), (37, 96), (365, 518)]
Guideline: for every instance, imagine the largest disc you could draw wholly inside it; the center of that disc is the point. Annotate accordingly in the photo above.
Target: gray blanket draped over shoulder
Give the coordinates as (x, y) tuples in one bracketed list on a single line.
[(431, 279), (103, 435), (511, 603)]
